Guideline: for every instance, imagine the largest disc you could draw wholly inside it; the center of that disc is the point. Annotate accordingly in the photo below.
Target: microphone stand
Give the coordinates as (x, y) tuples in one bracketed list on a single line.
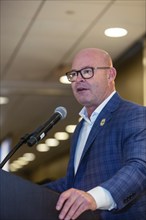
[(22, 141)]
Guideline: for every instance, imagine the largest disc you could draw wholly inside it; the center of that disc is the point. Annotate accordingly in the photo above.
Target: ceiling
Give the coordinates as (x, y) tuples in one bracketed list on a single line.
[(38, 42)]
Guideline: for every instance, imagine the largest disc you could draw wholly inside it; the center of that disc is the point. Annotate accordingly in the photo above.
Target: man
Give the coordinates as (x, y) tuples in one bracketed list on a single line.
[(107, 166)]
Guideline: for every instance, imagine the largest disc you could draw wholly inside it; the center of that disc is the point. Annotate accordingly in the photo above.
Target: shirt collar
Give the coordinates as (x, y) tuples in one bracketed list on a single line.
[(83, 112)]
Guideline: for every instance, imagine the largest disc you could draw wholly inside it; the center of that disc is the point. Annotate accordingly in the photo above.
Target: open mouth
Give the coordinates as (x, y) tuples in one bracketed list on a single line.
[(81, 89)]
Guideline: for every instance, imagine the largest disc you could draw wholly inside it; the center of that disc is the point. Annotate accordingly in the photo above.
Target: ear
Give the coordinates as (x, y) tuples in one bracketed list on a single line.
[(112, 74)]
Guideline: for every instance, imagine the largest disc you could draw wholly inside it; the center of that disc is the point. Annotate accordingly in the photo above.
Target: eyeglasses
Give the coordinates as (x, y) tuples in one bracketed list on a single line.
[(86, 73)]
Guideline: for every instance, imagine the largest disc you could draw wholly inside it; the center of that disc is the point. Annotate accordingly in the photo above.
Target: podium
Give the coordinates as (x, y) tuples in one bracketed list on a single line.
[(21, 199)]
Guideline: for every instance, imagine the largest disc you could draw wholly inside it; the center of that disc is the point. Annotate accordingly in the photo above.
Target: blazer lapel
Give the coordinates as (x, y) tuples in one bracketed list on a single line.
[(103, 118), (72, 154), (98, 126)]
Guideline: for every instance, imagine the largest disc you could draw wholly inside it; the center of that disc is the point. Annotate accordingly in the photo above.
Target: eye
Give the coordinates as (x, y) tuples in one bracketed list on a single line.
[(87, 71), (72, 74)]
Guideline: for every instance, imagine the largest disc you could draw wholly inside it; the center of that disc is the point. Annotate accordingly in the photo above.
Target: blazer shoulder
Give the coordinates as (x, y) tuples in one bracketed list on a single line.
[(125, 109), (127, 104)]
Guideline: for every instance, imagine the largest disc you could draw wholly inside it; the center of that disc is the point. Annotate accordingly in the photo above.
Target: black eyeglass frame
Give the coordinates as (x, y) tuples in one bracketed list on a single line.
[(80, 71)]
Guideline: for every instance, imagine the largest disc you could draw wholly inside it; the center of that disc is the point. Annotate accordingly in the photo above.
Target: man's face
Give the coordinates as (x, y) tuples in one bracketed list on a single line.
[(90, 92)]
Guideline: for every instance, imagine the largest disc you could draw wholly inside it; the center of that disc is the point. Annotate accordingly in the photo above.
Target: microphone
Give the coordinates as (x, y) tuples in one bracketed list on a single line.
[(59, 113)]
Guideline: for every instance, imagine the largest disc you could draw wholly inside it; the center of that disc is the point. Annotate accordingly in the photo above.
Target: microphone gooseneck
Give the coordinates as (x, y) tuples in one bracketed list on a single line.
[(38, 134)]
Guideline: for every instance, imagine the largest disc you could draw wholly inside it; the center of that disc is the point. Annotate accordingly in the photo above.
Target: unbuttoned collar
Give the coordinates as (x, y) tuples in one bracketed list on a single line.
[(91, 120)]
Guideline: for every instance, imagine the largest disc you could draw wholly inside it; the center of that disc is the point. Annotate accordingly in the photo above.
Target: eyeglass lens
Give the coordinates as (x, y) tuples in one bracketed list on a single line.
[(86, 73)]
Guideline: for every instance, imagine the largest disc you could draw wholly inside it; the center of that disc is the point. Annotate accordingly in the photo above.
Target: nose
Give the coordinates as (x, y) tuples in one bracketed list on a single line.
[(79, 77)]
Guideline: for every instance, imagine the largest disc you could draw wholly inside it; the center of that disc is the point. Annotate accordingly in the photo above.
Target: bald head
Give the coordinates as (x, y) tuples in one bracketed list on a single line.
[(92, 91), (92, 57)]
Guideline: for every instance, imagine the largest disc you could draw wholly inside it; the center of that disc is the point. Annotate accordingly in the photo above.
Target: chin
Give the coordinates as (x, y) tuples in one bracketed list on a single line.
[(84, 103)]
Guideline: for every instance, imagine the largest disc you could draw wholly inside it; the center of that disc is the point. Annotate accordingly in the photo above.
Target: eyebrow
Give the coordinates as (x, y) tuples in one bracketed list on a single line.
[(82, 68)]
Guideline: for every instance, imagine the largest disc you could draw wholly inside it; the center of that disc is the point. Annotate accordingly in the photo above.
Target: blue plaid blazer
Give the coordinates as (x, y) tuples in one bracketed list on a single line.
[(114, 157)]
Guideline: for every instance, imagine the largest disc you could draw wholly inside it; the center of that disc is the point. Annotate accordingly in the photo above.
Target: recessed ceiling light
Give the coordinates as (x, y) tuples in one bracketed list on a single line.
[(115, 32), (52, 142), (29, 156), (22, 161), (3, 100), (15, 165), (61, 135), (13, 168), (64, 80), (42, 148), (70, 128)]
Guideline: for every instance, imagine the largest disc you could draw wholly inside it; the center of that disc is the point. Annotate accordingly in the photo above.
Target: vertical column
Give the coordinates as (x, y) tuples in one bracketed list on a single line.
[(144, 73)]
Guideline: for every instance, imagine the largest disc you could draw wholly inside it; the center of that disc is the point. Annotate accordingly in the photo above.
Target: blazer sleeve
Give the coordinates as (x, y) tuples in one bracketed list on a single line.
[(130, 181), (59, 185)]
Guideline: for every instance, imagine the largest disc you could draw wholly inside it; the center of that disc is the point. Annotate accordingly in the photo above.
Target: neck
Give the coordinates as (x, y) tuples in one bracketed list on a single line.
[(91, 109)]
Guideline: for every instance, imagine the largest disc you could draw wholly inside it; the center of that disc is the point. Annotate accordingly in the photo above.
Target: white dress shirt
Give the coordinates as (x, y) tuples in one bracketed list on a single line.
[(102, 197)]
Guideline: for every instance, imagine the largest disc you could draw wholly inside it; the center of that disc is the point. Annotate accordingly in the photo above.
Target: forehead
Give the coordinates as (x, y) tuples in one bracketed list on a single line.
[(87, 58)]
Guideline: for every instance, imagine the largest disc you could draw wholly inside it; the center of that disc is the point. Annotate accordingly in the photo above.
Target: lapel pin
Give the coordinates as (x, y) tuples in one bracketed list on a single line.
[(102, 122)]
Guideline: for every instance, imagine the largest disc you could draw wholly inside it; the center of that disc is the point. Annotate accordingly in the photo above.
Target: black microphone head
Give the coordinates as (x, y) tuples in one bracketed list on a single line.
[(62, 111)]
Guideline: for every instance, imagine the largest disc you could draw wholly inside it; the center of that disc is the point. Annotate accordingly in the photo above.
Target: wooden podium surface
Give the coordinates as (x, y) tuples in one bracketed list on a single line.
[(23, 200)]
